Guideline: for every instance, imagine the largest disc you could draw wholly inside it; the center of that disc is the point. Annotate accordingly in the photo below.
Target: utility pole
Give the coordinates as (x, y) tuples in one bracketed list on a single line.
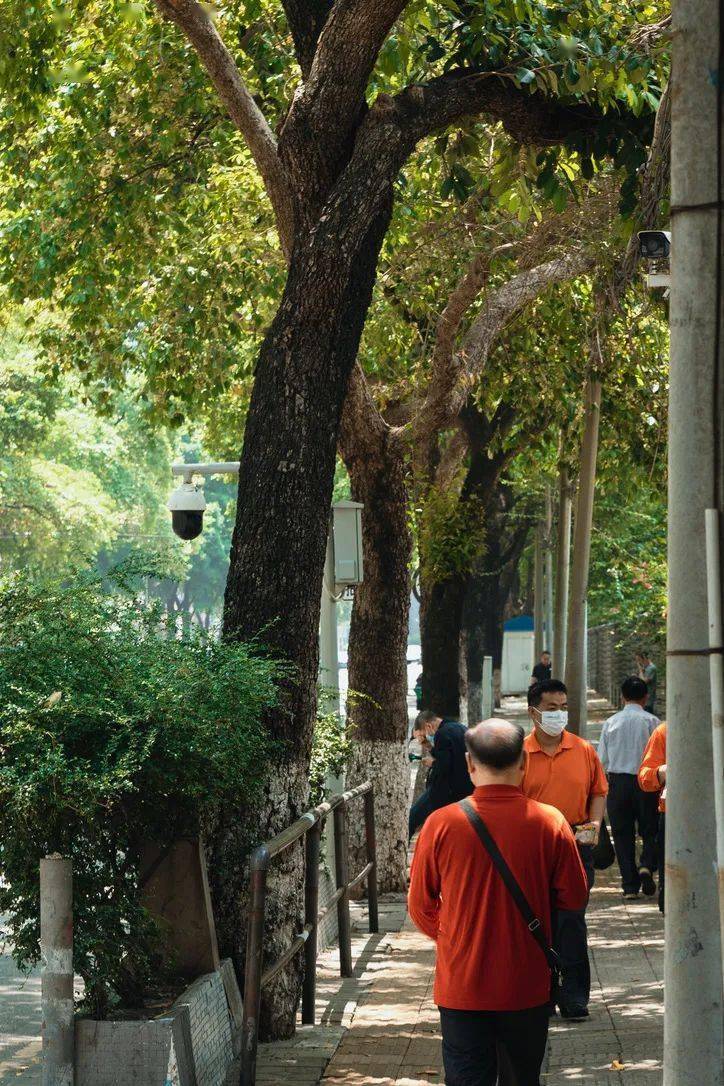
[(538, 591), (576, 678), (563, 566), (693, 969), (549, 571)]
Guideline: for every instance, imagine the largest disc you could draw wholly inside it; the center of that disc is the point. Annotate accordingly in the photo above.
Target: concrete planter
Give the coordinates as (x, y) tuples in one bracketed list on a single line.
[(193, 1044)]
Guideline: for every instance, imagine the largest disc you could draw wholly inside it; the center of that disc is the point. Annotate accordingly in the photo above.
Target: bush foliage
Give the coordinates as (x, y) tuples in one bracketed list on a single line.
[(331, 747), (114, 730)]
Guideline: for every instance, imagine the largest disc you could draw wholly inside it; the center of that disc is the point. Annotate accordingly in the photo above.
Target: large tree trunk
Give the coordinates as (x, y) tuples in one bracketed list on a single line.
[(378, 642), (576, 678), (479, 631), (488, 589), (274, 585), (441, 605)]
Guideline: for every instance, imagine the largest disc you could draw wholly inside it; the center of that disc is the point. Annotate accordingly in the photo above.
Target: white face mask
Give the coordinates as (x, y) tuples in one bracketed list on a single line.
[(554, 721)]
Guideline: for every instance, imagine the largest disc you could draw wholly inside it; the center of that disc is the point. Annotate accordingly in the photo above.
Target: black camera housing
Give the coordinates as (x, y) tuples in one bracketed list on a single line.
[(187, 523)]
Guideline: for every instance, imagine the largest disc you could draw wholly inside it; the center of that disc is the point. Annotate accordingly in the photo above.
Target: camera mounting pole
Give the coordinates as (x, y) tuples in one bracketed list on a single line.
[(230, 467)]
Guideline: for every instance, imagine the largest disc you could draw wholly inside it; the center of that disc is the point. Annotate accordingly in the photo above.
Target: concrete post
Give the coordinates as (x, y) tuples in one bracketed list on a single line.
[(563, 565), (693, 969), (716, 682), (538, 600), (576, 678), (549, 572), (56, 978)]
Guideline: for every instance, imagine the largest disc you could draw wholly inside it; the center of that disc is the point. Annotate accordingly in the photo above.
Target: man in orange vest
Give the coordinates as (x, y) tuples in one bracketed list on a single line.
[(564, 770), (652, 778)]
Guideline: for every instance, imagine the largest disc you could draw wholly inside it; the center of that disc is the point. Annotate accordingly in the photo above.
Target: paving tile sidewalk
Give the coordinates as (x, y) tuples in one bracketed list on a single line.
[(393, 1039), (19, 1023)]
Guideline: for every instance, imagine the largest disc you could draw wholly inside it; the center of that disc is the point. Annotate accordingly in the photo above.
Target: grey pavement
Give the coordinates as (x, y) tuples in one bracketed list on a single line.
[(19, 1021)]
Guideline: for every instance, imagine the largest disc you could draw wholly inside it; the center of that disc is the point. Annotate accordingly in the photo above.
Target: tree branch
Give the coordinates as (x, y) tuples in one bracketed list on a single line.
[(306, 19), (318, 135), (362, 426), (458, 304), (529, 118), (451, 381), (195, 22)]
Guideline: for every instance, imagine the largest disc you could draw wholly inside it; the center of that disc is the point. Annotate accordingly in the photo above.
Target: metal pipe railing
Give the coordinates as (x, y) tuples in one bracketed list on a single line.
[(309, 826)]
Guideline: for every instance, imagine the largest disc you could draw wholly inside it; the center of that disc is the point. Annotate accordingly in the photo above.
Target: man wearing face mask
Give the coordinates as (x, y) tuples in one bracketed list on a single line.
[(565, 771)]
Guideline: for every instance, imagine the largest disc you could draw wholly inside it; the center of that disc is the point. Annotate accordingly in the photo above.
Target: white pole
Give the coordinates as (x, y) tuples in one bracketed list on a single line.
[(549, 571), (692, 954), (538, 603), (576, 679), (563, 565), (328, 651), (716, 676)]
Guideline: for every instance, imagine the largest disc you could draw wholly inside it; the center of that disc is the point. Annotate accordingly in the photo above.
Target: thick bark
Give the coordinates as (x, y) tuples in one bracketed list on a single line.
[(488, 589), (275, 578), (441, 605), (378, 633), (576, 679)]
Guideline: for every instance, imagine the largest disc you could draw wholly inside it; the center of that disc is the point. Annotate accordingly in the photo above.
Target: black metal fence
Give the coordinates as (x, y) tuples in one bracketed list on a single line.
[(309, 826)]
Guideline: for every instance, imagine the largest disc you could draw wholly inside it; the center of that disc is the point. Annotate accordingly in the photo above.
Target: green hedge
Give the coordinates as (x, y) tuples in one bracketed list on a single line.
[(114, 729)]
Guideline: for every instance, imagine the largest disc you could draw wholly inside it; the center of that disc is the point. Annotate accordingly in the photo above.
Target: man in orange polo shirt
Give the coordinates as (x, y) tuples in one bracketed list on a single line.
[(652, 778), (492, 979), (564, 770)]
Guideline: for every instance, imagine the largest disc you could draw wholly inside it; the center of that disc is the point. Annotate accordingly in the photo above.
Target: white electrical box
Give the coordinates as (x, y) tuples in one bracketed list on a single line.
[(347, 542)]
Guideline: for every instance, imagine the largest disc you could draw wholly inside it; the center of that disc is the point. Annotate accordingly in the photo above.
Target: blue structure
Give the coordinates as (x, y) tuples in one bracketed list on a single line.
[(519, 624)]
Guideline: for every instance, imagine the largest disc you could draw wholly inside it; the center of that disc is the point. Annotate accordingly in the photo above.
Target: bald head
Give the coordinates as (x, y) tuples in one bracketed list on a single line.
[(495, 744)]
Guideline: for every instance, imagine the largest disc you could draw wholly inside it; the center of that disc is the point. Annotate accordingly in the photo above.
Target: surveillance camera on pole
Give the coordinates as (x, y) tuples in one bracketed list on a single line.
[(187, 503), (655, 249)]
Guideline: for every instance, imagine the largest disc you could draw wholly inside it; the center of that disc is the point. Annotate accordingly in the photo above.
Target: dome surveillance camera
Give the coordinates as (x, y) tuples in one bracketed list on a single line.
[(187, 504)]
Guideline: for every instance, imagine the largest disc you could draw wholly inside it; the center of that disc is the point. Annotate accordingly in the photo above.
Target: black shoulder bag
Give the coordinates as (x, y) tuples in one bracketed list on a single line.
[(499, 863)]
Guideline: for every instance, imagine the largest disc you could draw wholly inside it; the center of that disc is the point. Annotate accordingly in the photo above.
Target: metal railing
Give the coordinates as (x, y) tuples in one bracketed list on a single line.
[(310, 825)]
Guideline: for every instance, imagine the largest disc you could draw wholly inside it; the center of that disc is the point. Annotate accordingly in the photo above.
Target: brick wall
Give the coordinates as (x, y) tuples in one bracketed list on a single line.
[(193, 1044)]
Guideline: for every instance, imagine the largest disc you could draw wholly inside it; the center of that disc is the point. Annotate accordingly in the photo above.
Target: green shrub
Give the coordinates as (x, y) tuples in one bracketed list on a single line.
[(114, 730), (331, 747)]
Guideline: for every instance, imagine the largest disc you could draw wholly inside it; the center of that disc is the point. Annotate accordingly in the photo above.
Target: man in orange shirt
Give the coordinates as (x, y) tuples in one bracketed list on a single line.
[(492, 979), (564, 770), (652, 778)]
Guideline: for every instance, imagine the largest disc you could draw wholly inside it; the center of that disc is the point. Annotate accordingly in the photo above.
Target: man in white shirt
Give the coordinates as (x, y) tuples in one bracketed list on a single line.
[(621, 747)]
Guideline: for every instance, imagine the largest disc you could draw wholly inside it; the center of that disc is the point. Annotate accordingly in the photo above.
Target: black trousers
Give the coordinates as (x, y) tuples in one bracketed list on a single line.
[(420, 810), (631, 810), (662, 857), (485, 1048), (570, 939)]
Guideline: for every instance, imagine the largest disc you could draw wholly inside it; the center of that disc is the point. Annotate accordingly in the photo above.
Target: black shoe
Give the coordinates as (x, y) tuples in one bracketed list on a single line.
[(647, 882), (574, 1013)]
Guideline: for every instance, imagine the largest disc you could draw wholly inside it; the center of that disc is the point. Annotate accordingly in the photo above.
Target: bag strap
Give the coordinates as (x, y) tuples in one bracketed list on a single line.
[(499, 863)]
